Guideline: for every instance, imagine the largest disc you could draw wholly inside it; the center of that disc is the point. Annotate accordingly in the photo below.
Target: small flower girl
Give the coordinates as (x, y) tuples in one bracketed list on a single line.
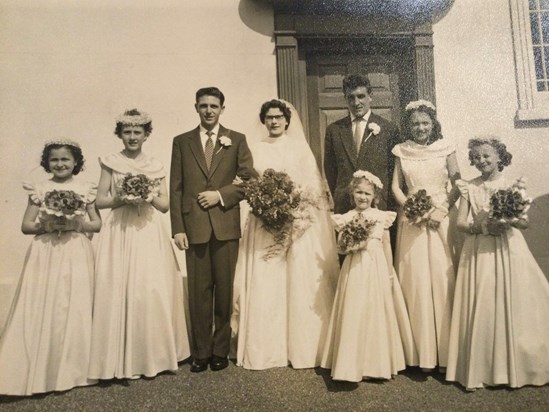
[(138, 314), (46, 343), (369, 333), (499, 331)]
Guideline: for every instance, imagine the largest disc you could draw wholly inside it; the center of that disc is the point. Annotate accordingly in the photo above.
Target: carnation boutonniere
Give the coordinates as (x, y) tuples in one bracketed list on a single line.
[(374, 130), (225, 141)]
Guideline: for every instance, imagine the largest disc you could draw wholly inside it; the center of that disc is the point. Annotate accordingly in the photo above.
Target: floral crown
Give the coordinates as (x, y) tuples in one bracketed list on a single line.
[(416, 104), (134, 119), (62, 142), (369, 177)]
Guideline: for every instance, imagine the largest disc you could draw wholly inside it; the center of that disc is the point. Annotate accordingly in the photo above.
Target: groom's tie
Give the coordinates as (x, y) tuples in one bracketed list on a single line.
[(359, 132), (209, 149)]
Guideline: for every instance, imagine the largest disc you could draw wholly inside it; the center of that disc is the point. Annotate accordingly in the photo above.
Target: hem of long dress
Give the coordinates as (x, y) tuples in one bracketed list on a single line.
[(89, 382)]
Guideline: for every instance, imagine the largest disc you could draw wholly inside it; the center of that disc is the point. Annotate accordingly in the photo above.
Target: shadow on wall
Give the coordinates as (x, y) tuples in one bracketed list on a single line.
[(537, 235)]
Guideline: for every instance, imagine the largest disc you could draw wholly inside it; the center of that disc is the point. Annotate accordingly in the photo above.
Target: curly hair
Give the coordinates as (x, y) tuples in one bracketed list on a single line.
[(275, 104), (437, 128), (147, 127), (353, 81), (353, 184), (504, 156), (75, 151)]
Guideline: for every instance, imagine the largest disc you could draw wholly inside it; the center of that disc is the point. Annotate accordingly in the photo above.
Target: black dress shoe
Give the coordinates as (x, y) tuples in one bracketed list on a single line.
[(217, 363), (199, 365)]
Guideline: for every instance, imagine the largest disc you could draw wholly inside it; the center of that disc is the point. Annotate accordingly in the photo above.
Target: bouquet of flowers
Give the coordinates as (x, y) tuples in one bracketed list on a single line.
[(137, 188), (417, 205), (510, 204), (283, 209), (354, 235), (63, 204)]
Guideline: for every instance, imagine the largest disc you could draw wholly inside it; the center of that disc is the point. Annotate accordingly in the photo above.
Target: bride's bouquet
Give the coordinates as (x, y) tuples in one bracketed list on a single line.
[(137, 188), (284, 209), (353, 236), (511, 204), (416, 206)]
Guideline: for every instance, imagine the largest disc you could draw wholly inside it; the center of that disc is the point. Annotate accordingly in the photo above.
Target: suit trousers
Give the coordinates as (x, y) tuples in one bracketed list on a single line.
[(210, 272)]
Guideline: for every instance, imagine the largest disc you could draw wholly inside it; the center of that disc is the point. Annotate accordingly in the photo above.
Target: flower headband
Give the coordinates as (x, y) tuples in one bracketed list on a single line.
[(415, 105), (61, 142), (369, 177), (134, 120)]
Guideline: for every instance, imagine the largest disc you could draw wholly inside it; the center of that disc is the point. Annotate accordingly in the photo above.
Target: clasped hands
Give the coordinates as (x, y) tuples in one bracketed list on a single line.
[(61, 225), (434, 217)]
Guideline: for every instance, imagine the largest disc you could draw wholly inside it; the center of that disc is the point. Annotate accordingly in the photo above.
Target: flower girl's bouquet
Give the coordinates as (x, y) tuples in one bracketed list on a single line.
[(62, 204), (416, 206), (136, 189), (353, 236), (283, 209), (511, 204)]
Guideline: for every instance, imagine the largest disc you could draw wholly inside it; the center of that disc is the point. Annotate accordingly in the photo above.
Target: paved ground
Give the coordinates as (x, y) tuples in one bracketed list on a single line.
[(281, 389)]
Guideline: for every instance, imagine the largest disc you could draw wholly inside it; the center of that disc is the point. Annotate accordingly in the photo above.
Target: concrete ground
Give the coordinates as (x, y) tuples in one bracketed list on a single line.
[(281, 389)]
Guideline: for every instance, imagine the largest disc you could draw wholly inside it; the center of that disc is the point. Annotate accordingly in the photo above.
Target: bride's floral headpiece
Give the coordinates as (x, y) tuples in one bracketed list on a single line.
[(130, 119), (61, 142), (369, 177), (416, 104)]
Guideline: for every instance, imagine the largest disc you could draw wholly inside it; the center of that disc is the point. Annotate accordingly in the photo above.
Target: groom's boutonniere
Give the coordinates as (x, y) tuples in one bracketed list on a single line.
[(225, 141), (374, 128)]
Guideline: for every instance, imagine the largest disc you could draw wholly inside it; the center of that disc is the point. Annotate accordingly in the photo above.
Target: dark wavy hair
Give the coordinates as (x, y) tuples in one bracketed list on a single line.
[(352, 81), (353, 184), (210, 91), (437, 128), (75, 151), (275, 104), (147, 127), (504, 156)]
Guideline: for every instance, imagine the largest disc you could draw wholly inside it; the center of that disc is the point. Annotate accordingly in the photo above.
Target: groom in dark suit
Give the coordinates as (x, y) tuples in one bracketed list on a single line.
[(360, 141), (205, 217)]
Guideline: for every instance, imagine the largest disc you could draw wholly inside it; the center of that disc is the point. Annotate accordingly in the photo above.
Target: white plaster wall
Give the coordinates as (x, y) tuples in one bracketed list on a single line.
[(476, 94), (68, 68)]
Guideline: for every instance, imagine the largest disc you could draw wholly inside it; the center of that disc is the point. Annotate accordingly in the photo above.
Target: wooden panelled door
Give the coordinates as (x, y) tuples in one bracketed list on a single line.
[(387, 74)]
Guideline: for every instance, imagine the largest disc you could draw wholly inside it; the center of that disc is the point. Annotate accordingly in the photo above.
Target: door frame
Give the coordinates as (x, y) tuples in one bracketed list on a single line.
[(295, 33)]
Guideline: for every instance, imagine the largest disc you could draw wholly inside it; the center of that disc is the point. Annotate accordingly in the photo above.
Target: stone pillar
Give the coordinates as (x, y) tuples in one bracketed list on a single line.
[(424, 61)]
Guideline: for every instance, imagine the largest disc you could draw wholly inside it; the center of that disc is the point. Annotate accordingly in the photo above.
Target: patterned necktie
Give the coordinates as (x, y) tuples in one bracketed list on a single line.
[(358, 134), (209, 149)]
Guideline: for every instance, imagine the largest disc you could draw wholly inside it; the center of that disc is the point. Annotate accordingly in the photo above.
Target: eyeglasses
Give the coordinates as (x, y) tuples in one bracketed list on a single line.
[(275, 117)]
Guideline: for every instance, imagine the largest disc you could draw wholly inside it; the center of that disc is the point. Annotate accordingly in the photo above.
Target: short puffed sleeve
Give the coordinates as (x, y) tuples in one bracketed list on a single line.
[(91, 192), (388, 218), (32, 191), (463, 187), (338, 221)]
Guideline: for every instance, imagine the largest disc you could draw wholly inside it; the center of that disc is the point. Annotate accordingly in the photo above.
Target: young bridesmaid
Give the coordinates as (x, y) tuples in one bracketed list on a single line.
[(139, 323), (46, 343), (499, 333), (369, 332)]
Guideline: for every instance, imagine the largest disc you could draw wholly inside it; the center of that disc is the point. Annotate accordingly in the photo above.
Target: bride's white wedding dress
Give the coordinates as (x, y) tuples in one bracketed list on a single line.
[(282, 305)]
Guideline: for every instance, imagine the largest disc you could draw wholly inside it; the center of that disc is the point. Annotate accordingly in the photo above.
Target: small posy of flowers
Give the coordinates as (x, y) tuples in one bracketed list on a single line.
[(137, 188), (511, 204), (281, 206), (416, 206), (353, 236), (225, 141), (62, 204)]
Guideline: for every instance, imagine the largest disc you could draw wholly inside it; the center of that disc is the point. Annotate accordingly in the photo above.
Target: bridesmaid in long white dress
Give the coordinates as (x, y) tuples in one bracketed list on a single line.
[(424, 258), (138, 320), (500, 333), (282, 305), (46, 343)]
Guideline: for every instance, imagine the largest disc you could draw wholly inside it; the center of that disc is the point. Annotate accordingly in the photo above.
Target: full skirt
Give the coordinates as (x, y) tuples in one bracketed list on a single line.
[(46, 343), (500, 333), (139, 325)]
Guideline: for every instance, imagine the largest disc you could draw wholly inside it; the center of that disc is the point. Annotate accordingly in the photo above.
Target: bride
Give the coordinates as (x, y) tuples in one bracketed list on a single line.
[(282, 305)]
